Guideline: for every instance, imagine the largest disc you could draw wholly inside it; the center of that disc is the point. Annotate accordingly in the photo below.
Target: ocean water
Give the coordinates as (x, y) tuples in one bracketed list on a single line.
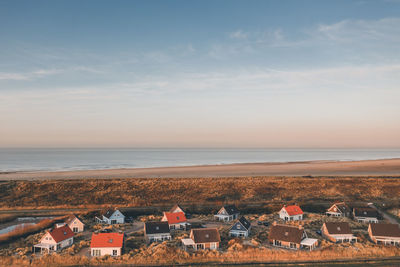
[(55, 159)]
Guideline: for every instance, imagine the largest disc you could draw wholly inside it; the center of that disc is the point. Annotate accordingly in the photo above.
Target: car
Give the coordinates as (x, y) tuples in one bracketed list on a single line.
[(318, 232), (259, 222), (266, 223)]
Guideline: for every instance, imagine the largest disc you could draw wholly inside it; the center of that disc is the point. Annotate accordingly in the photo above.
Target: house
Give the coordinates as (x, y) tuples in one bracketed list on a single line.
[(338, 232), (240, 228), (112, 216), (365, 215), (291, 213), (176, 220), (292, 237), (384, 233), (106, 244), (75, 224), (339, 210), (227, 213), (175, 209), (55, 240), (202, 238), (156, 231)]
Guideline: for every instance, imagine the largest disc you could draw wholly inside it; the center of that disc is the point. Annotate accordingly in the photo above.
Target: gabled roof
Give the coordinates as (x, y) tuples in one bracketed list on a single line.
[(341, 206), (338, 228), (243, 221), (61, 233), (107, 240), (176, 206), (385, 229), (231, 209), (156, 228), (205, 235), (110, 212), (293, 210), (286, 233), (71, 218), (176, 217), (365, 212)]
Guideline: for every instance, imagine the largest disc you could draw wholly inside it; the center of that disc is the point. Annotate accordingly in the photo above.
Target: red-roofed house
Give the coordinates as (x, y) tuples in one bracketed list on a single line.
[(106, 244), (55, 239), (291, 213), (176, 220)]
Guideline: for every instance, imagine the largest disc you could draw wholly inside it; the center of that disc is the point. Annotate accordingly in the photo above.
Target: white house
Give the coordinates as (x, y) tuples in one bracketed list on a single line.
[(176, 220), (227, 213), (365, 215), (106, 244), (384, 233), (291, 213), (241, 228), (112, 216), (339, 210), (156, 231), (75, 224), (55, 240)]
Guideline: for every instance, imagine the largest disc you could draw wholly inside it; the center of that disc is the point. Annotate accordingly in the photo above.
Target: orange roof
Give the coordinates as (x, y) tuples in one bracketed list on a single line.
[(176, 217), (61, 233), (293, 210), (107, 240)]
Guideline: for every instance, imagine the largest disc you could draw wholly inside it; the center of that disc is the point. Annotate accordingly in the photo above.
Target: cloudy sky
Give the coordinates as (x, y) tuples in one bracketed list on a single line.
[(200, 74)]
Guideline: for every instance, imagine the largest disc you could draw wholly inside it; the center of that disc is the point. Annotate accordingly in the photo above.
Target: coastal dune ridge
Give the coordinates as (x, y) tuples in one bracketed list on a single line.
[(382, 167)]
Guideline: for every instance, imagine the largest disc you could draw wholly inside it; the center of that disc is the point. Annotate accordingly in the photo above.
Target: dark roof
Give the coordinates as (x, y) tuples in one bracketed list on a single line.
[(385, 229), (365, 212), (109, 213), (231, 209), (175, 207), (156, 228), (338, 228), (245, 222), (205, 235), (286, 233)]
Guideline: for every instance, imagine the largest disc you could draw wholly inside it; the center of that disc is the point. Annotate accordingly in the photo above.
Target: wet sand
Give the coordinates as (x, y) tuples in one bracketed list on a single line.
[(386, 167)]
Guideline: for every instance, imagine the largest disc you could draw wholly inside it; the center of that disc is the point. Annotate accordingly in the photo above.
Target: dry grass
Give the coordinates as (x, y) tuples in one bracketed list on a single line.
[(153, 191)]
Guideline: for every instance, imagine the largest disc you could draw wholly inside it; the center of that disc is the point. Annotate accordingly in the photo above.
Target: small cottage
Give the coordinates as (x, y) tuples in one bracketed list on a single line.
[(339, 210), (365, 215), (338, 232), (202, 238), (176, 220), (291, 213), (112, 216), (384, 233), (75, 224), (156, 231), (241, 228), (106, 244), (55, 240), (291, 237), (227, 213)]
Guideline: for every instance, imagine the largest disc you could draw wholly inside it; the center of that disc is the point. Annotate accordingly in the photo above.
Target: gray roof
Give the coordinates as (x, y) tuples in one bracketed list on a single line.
[(365, 212), (245, 222), (231, 209), (156, 228)]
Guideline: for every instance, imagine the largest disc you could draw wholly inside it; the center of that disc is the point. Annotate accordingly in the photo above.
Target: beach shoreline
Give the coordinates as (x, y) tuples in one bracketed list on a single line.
[(382, 167)]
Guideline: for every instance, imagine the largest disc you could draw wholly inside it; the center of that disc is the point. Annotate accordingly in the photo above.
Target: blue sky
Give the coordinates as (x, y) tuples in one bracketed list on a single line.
[(200, 74)]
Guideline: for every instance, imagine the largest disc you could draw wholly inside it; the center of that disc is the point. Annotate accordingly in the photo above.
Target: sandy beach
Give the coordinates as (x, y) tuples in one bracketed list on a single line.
[(315, 168)]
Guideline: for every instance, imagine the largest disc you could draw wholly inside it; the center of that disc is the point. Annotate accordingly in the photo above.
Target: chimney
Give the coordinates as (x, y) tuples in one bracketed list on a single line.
[(300, 227), (274, 223)]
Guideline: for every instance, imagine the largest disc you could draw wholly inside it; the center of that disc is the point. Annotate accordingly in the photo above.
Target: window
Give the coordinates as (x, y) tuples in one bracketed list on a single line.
[(75, 229), (238, 226), (115, 252), (96, 252)]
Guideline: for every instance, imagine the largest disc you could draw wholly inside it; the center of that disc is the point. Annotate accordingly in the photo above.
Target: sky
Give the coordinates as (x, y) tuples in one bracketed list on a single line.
[(290, 74)]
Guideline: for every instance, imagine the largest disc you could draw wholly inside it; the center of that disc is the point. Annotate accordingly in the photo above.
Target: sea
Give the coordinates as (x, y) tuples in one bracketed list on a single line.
[(64, 159)]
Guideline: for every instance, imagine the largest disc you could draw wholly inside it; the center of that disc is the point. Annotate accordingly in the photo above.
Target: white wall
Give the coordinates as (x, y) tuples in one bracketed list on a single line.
[(106, 251)]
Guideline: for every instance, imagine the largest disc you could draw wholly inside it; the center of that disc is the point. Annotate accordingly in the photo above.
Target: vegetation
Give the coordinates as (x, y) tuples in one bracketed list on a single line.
[(194, 191)]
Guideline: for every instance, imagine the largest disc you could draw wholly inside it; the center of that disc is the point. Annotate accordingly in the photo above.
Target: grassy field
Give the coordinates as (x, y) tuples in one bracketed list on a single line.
[(194, 191)]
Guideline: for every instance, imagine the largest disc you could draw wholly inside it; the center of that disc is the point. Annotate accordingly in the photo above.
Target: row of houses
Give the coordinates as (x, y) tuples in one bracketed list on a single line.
[(280, 235)]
